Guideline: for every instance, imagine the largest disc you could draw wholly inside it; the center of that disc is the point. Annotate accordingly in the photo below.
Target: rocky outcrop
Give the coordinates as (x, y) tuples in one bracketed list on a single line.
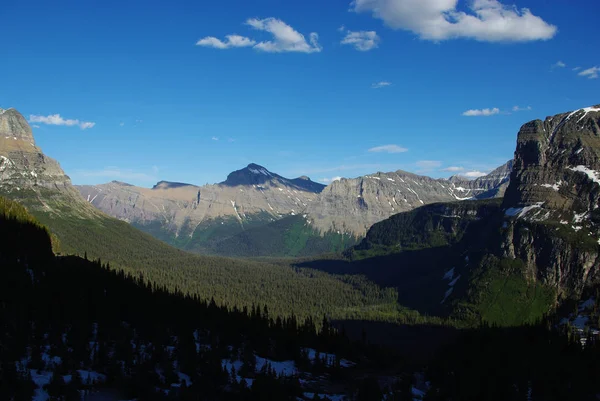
[(553, 198), (22, 164), (353, 205), (544, 232), (557, 164)]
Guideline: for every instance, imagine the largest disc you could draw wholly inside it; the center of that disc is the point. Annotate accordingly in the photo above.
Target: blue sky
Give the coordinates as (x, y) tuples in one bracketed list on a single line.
[(146, 91)]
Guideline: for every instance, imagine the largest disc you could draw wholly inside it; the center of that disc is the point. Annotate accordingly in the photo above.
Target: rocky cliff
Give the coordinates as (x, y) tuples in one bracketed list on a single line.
[(512, 260), (22, 164), (353, 205), (189, 216), (552, 201)]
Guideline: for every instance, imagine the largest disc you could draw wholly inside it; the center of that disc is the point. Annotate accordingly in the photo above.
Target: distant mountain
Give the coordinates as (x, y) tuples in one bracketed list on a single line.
[(197, 217), (352, 206), (216, 218)]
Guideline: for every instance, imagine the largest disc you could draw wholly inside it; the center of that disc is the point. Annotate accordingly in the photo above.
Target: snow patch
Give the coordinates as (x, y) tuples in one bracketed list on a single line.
[(555, 187), (521, 211), (592, 174), (449, 275)]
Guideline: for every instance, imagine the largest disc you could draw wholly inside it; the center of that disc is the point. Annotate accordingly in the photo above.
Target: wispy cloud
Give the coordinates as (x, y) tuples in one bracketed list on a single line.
[(518, 108), (473, 174), (330, 180), (453, 169), (559, 64), (481, 112), (229, 42), (381, 84), (284, 38), (215, 138), (121, 124), (487, 21), (116, 173), (576, 68), (388, 149), (591, 73), (361, 40), (56, 119)]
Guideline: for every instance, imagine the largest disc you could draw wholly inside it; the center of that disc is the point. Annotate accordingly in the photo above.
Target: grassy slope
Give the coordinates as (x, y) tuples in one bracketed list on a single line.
[(491, 289), (290, 236), (260, 236), (83, 230)]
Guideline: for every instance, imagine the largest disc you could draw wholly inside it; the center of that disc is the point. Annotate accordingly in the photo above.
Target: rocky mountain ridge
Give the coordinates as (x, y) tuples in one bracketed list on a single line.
[(519, 257), (353, 205), (22, 164), (249, 196)]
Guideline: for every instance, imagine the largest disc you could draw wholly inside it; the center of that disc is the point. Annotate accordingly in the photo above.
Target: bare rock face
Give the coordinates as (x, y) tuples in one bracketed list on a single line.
[(22, 164), (248, 195), (557, 168), (553, 198), (353, 205)]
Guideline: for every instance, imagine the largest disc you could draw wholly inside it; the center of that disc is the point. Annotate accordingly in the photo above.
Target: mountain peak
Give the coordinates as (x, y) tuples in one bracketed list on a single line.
[(170, 185), (258, 169), (14, 126), (568, 147)]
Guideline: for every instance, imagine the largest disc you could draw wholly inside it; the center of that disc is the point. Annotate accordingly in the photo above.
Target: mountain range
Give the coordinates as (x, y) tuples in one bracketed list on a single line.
[(442, 248), (254, 202)]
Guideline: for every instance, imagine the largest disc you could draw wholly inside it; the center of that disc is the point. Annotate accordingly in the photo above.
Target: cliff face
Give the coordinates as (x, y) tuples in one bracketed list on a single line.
[(353, 205), (22, 164), (517, 257), (553, 198)]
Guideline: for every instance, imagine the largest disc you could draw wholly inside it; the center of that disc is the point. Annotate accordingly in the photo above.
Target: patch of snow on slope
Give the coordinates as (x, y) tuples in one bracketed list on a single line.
[(555, 187), (521, 211), (578, 218), (588, 110), (447, 294), (449, 275), (592, 174), (451, 284), (284, 368)]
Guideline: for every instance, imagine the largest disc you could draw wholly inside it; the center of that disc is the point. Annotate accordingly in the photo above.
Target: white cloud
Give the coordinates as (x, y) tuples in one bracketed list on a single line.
[(453, 169), (215, 138), (121, 124), (591, 73), (116, 173), (35, 126), (56, 119), (474, 174), (361, 40), (388, 149), (285, 38), (381, 84), (481, 112), (559, 64), (518, 108), (487, 21), (330, 180), (576, 68), (428, 164), (230, 41)]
